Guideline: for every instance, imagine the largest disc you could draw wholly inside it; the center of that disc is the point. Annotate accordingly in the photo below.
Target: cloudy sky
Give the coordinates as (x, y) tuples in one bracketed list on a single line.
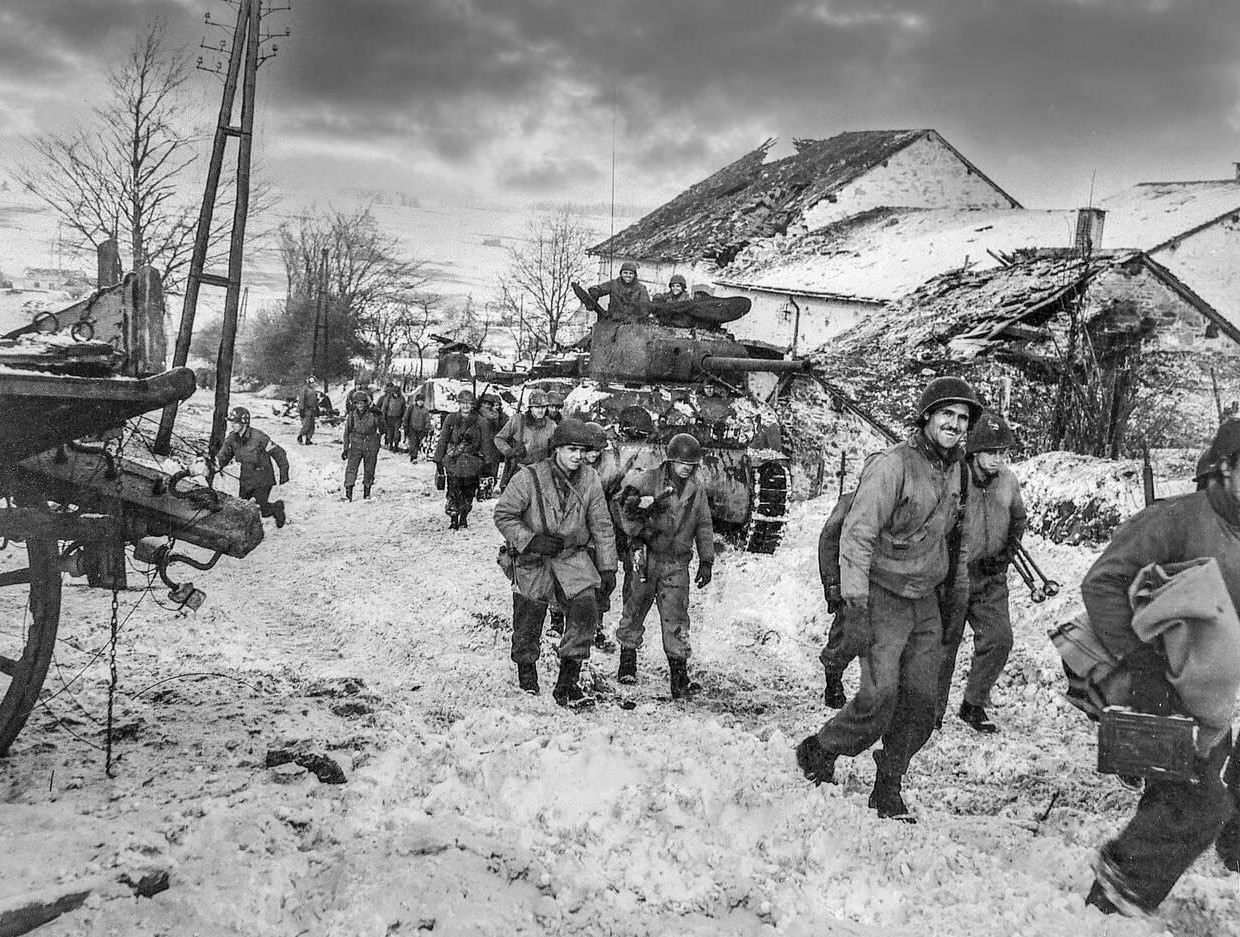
[(478, 100)]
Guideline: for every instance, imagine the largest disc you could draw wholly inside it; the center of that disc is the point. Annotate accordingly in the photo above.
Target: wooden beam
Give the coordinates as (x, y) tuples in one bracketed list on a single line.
[(38, 524)]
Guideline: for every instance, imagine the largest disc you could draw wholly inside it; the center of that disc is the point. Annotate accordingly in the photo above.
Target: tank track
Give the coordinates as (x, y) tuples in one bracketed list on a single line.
[(770, 484)]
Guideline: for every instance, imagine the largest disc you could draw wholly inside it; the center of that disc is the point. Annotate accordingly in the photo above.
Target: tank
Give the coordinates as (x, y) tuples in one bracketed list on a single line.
[(647, 381)]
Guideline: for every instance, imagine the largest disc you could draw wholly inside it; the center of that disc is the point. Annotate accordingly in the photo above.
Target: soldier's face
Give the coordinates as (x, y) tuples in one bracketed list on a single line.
[(538, 412), (683, 469), (1231, 478), (947, 425), (991, 460), (591, 456), (628, 276), (676, 288), (569, 458)]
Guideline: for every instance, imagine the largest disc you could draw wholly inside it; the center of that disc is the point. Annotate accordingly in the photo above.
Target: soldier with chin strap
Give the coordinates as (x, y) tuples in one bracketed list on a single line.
[(254, 451)]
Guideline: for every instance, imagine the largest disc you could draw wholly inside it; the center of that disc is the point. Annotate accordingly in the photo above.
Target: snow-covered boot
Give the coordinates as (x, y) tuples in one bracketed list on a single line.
[(682, 687), (527, 678), (834, 695), (627, 674), (815, 762), (277, 511), (567, 691), (887, 800), (348, 493)]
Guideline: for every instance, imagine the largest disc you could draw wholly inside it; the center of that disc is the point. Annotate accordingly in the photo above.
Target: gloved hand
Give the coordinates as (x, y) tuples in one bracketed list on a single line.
[(831, 592), (858, 633), (518, 450), (705, 572), (545, 544), (344, 456), (608, 585)]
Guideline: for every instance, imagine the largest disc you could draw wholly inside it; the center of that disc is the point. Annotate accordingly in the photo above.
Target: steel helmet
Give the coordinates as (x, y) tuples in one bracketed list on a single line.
[(628, 265), (465, 396), (944, 390), (239, 415), (677, 278), (538, 398), (359, 396), (1225, 444), (571, 432), (598, 434), (555, 399), (684, 448), (990, 432)]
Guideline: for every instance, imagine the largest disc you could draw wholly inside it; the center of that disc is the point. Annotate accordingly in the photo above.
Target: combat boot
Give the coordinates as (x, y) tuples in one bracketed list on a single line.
[(834, 695), (1228, 844), (567, 692), (815, 762), (277, 511), (527, 678), (682, 687), (348, 493), (887, 800), (604, 643), (366, 493), (627, 674), (977, 719)]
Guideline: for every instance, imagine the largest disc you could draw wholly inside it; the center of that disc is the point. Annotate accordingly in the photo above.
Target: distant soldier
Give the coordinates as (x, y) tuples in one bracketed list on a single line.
[(392, 409), (994, 522), (489, 410), (524, 438), (307, 409), (417, 425), (628, 300), (665, 513), (362, 429), (554, 515), (555, 406), (677, 292), (461, 451), (255, 451)]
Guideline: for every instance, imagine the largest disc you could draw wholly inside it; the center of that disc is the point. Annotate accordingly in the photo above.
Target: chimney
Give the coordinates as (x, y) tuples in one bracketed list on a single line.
[(1236, 166), (1089, 230)]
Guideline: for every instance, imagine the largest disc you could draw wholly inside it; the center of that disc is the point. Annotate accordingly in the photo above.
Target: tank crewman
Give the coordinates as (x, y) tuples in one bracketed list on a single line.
[(461, 451), (255, 452), (894, 556), (307, 410), (1175, 820), (489, 410), (629, 301), (362, 430), (664, 509), (524, 438), (392, 409), (994, 522), (417, 424), (554, 515), (677, 292)]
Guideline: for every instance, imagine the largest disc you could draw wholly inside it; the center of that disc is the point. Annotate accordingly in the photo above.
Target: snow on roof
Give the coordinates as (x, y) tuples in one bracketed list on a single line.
[(884, 254), (1150, 214), (754, 198)]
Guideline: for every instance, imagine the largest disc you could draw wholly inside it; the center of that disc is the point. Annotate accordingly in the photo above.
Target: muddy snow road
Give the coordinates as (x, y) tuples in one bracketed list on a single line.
[(335, 745)]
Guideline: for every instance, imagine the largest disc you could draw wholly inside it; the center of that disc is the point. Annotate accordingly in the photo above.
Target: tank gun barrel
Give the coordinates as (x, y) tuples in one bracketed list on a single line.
[(722, 365)]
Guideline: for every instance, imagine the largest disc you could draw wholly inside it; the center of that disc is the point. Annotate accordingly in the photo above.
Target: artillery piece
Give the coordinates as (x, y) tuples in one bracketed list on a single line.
[(650, 380)]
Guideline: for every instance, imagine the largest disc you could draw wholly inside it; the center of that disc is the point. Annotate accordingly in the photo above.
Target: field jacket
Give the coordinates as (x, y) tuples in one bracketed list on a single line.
[(417, 420), (463, 446), (994, 515), (307, 400), (679, 519), (524, 439), (361, 431), (626, 303), (254, 452)]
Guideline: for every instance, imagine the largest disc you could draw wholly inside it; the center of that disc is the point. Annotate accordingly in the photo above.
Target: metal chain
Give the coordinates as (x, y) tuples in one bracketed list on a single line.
[(112, 679)]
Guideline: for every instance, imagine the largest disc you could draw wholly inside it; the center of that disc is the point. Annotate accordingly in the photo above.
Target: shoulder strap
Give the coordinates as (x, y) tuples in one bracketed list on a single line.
[(542, 507)]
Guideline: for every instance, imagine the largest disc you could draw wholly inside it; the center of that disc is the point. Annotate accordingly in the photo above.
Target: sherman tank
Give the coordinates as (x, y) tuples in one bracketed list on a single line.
[(678, 371)]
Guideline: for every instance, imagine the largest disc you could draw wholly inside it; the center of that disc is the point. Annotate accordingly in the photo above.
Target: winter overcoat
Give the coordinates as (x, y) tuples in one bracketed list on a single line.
[(895, 534), (571, 506), (417, 420), (254, 452), (464, 445), (524, 439), (680, 517), (361, 431), (392, 405), (627, 303), (307, 400)]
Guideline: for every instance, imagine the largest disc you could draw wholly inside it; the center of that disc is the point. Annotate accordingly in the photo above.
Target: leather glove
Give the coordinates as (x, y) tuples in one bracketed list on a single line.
[(1150, 692), (705, 572), (858, 633), (344, 456), (608, 586), (831, 592), (519, 451), (546, 545)]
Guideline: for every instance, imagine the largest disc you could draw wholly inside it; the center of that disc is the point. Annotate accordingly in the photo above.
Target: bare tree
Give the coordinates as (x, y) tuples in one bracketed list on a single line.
[(536, 290)]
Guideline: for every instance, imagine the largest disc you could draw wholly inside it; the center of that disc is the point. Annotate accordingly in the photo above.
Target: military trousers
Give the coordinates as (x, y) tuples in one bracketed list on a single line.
[(991, 622), (260, 495), (307, 425), (667, 586), (528, 616), (899, 681), (367, 457), (459, 498)]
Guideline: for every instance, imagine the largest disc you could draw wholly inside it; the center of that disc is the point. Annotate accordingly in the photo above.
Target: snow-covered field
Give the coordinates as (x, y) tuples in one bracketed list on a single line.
[(368, 633)]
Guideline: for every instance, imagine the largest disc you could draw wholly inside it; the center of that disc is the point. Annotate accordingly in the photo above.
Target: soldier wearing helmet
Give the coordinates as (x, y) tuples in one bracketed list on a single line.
[(1158, 554), (994, 522), (523, 439), (677, 292), (363, 428), (628, 300), (665, 513), (307, 409), (255, 452), (607, 470), (417, 424), (392, 409), (554, 516), (463, 449), (894, 557), (555, 406)]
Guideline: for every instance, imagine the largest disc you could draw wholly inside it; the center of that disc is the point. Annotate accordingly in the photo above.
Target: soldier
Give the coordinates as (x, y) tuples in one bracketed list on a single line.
[(489, 411), (1176, 820), (307, 409), (255, 451), (461, 451), (893, 558), (677, 292), (994, 521), (524, 438), (593, 459), (553, 514), (555, 406), (392, 409), (665, 511), (417, 424), (362, 428), (629, 300)]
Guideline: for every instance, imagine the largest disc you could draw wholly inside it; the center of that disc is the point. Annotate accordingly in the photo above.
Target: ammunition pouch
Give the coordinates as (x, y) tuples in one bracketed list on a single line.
[(1155, 747)]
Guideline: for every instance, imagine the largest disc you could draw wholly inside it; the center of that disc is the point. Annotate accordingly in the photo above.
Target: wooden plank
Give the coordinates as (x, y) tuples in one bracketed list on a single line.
[(28, 523), (232, 526), (20, 914)]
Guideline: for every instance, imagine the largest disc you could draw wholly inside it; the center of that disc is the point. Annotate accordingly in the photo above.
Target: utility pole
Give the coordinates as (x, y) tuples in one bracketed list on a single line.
[(244, 57)]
